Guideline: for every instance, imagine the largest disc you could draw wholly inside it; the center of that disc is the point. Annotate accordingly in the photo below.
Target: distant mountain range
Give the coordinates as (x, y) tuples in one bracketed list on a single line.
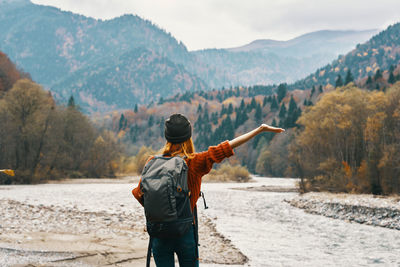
[(114, 64), (270, 61), (381, 52)]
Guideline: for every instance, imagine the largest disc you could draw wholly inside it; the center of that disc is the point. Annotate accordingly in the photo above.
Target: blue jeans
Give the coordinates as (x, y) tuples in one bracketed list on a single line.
[(184, 247)]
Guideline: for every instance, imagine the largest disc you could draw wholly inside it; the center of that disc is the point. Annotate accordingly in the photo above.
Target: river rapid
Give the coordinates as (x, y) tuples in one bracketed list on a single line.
[(272, 233), (262, 225)]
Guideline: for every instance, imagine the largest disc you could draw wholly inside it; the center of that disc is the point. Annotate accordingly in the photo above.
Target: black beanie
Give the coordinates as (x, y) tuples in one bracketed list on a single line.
[(177, 129)]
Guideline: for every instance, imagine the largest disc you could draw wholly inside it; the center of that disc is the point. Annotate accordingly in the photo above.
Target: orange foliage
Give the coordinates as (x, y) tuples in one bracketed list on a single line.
[(9, 73)]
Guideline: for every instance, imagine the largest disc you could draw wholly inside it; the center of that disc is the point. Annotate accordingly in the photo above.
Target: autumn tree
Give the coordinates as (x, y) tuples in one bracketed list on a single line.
[(27, 109), (8, 73), (347, 139), (41, 140)]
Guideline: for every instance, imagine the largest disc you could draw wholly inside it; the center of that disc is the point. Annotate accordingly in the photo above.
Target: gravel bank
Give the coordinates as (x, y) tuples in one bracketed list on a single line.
[(363, 209), (55, 231)]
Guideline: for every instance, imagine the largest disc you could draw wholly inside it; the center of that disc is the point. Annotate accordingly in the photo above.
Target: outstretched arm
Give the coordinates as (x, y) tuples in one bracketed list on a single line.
[(240, 140)]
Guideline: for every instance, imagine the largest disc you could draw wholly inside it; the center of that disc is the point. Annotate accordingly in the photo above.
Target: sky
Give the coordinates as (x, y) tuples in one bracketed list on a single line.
[(201, 24)]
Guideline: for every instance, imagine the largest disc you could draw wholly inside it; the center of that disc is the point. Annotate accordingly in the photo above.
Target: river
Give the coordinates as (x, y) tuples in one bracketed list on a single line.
[(272, 233), (262, 225)]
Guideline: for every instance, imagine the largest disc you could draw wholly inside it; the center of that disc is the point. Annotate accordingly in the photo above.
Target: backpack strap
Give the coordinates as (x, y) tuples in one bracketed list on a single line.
[(149, 252), (196, 235), (204, 200)]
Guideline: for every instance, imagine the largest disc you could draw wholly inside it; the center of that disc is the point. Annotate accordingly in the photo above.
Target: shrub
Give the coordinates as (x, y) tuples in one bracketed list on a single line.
[(228, 173)]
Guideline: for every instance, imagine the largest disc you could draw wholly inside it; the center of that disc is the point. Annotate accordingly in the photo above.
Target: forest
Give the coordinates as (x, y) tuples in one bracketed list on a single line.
[(341, 138), (42, 140)]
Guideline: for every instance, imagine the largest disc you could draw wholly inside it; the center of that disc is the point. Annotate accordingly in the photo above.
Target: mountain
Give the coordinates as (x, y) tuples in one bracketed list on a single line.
[(57, 46), (117, 63), (381, 52), (309, 44), (270, 61), (103, 86)]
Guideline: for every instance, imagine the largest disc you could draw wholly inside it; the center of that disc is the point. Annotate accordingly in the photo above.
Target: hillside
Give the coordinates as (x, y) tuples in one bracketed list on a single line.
[(381, 52), (55, 46), (218, 115), (273, 62), (71, 54), (121, 82)]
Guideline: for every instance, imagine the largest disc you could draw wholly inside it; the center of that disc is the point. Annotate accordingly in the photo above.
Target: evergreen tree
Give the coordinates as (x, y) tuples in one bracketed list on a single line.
[(312, 91), (339, 81), (71, 102), (258, 114), (274, 122), (242, 105), (292, 114), (241, 117), (369, 80), (230, 109), (200, 109), (225, 131), (265, 100), (282, 112), (214, 118), (150, 122), (122, 122), (219, 96), (253, 104), (391, 79), (320, 89), (378, 74), (349, 77), (136, 108), (292, 105), (274, 104), (223, 110), (281, 91), (206, 118)]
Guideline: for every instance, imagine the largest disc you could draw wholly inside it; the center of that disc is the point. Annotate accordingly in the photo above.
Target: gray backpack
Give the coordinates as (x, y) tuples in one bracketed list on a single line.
[(166, 197)]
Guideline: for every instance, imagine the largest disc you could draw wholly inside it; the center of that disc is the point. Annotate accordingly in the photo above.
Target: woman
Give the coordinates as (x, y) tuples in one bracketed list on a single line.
[(178, 132)]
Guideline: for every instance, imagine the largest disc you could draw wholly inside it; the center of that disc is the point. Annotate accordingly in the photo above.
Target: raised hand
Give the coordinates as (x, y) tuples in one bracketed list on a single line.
[(267, 128)]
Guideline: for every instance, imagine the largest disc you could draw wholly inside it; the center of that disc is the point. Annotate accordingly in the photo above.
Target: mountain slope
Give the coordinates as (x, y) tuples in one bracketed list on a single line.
[(336, 42), (270, 61), (34, 35), (381, 52), (113, 84), (67, 53), (56, 47)]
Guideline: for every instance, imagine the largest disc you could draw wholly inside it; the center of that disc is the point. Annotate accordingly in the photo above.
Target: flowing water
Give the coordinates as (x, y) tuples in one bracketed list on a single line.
[(266, 229), (273, 233)]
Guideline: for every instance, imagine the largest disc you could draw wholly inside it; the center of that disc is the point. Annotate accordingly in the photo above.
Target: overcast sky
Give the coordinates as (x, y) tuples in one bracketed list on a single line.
[(229, 23)]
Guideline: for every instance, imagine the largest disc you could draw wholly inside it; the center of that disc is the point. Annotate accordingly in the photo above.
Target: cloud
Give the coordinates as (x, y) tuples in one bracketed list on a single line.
[(229, 23)]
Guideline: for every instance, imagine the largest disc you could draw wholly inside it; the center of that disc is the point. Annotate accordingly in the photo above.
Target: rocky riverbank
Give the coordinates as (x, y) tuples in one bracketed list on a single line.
[(64, 225), (363, 209)]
